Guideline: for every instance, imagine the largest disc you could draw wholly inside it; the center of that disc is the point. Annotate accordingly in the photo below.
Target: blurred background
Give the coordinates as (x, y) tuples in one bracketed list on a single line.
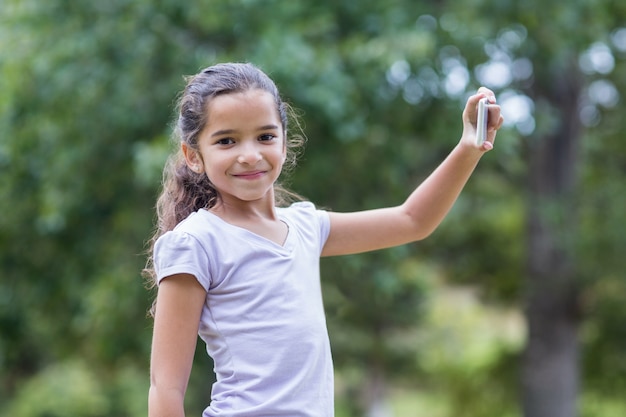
[(514, 307)]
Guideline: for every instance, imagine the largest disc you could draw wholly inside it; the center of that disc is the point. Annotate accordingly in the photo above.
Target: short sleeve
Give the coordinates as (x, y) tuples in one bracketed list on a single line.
[(307, 213), (324, 222), (178, 252)]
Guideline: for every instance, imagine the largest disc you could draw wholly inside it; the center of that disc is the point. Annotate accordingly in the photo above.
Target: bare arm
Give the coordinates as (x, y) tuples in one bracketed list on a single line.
[(425, 207), (177, 317)]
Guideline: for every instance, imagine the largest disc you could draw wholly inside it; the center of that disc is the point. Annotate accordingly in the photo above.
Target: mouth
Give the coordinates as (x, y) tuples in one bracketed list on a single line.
[(249, 175)]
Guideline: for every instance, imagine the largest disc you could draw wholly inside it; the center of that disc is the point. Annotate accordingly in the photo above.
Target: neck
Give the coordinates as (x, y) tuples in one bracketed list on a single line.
[(238, 210)]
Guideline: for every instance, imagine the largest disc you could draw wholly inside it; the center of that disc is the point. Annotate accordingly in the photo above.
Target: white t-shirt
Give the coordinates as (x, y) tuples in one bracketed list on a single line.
[(263, 320)]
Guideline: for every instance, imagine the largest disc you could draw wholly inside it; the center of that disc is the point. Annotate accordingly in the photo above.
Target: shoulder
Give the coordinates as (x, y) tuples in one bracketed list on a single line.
[(193, 222), (304, 211), (186, 249), (308, 219), (302, 208), (199, 231)]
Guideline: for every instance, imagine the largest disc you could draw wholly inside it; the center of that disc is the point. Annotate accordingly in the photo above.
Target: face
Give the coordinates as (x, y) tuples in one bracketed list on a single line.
[(242, 147)]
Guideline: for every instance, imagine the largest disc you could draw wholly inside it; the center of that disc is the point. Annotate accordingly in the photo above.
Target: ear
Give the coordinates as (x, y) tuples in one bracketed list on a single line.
[(193, 158)]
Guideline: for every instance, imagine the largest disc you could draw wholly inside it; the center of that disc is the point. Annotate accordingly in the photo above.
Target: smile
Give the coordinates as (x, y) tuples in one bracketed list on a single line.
[(249, 175)]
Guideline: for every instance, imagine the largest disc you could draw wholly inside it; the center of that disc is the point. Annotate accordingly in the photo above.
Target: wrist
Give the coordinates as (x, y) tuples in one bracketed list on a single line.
[(470, 150)]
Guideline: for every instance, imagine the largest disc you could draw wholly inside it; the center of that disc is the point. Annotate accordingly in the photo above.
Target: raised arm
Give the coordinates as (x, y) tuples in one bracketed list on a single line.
[(177, 317), (426, 207)]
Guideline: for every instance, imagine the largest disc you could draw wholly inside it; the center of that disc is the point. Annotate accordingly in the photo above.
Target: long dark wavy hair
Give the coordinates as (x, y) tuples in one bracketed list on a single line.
[(185, 191)]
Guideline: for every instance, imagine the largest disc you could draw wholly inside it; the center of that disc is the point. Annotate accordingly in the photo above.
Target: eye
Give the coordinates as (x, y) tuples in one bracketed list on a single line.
[(225, 141), (267, 137)]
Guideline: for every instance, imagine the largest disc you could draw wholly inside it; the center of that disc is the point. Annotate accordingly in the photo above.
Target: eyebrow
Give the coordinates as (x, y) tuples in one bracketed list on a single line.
[(231, 131)]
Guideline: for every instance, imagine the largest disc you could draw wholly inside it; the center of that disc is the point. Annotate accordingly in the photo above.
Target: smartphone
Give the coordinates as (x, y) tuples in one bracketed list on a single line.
[(481, 121)]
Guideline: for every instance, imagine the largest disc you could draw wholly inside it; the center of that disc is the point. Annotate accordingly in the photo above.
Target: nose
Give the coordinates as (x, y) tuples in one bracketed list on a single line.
[(249, 154)]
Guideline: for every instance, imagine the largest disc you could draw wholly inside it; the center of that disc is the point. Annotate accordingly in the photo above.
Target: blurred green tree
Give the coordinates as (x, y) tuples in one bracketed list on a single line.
[(87, 96)]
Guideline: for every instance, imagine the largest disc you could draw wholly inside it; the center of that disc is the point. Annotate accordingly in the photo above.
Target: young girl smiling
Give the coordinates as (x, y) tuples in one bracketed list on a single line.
[(238, 264)]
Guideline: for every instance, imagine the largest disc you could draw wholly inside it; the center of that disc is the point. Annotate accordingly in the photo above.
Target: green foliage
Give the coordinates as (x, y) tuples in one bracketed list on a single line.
[(73, 389), (68, 390), (87, 98), (74, 105)]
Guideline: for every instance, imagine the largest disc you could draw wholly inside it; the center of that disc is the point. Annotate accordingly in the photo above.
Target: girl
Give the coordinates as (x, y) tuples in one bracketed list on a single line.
[(237, 266)]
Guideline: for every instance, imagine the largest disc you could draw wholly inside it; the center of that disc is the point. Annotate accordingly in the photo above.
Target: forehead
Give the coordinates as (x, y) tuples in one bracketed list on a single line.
[(247, 107)]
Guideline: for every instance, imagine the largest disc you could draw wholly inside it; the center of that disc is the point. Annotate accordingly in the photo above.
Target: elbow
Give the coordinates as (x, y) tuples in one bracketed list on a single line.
[(422, 223), (163, 401), (160, 386), (416, 227), (421, 233)]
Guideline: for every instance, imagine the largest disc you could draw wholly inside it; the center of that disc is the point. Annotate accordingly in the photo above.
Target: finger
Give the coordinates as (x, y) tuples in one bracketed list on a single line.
[(487, 93), (471, 106), (495, 119), (498, 124)]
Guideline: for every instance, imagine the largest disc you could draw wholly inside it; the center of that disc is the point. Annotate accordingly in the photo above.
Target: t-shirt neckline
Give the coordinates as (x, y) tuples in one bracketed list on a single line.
[(246, 234)]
